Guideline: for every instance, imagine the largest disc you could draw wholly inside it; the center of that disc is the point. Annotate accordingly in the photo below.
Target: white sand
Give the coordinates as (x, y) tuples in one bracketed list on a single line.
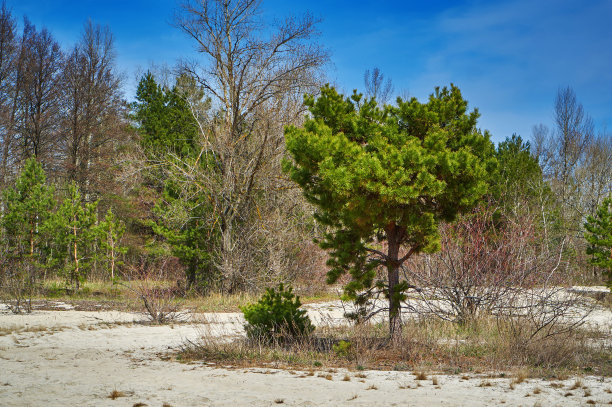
[(72, 358)]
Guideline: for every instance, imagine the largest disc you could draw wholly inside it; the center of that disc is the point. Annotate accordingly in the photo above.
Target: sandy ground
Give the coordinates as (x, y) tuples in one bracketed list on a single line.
[(77, 358)]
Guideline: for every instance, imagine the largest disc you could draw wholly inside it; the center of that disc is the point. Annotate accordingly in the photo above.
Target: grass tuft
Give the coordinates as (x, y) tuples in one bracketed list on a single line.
[(115, 394)]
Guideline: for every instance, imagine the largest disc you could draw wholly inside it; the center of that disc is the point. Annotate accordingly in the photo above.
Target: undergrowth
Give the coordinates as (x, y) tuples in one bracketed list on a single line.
[(426, 345)]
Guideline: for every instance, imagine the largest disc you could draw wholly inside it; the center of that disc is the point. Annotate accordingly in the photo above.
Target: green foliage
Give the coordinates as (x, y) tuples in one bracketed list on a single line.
[(391, 173), (277, 315), (599, 235), (169, 133), (181, 222), (27, 207), (343, 349), (519, 174), (110, 232), (74, 232), (165, 120)]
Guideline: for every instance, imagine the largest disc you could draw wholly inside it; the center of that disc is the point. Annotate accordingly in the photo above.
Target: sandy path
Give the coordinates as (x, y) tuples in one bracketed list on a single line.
[(70, 358)]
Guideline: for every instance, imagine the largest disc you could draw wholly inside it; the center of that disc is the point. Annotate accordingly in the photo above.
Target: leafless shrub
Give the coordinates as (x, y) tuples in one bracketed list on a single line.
[(18, 287), (159, 296), (497, 267)]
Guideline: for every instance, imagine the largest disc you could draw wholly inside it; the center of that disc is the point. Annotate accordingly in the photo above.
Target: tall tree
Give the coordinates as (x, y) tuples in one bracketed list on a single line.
[(169, 134), (93, 117), (383, 178), (8, 63), (255, 75), (40, 101), (562, 150)]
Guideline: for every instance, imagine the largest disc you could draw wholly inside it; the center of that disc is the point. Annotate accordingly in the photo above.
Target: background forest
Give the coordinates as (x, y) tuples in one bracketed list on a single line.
[(186, 184)]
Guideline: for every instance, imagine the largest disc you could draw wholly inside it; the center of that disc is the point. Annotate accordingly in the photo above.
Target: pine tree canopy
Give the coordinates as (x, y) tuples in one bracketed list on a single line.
[(377, 173)]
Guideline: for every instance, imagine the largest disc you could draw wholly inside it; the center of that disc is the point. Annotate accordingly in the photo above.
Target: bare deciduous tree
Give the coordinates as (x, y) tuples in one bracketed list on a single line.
[(93, 113), (256, 82), (40, 101), (562, 151), (376, 86), (8, 60)]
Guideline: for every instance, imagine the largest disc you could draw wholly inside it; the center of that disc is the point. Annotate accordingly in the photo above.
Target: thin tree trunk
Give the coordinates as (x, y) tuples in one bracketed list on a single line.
[(76, 257), (395, 317)]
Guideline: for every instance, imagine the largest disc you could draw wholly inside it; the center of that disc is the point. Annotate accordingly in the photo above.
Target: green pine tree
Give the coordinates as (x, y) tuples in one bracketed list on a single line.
[(27, 206), (74, 232), (166, 122), (111, 232), (599, 235), (383, 177), (169, 133)]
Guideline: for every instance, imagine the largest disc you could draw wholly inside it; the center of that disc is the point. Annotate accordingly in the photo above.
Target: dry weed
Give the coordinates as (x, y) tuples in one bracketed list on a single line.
[(577, 384), (420, 376), (116, 394)]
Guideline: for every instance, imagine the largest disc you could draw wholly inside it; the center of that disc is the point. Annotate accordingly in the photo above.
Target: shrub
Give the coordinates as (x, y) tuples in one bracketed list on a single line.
[(276, 316)]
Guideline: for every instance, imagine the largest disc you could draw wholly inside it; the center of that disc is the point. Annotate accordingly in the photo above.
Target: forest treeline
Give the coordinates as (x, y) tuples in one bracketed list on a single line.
[(187, 182)]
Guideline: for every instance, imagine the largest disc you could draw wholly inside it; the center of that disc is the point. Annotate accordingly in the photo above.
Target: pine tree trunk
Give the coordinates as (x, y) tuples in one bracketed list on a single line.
[(395, 317), (76, 257)]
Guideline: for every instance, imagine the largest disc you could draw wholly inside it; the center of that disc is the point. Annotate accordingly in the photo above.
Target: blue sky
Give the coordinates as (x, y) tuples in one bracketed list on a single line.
[(508, 57)]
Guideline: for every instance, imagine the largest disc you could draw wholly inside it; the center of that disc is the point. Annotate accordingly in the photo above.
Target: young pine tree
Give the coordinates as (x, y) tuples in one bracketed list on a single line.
[(74, 233), (110, 233), (599, 235), (387, 174), (27, 206)]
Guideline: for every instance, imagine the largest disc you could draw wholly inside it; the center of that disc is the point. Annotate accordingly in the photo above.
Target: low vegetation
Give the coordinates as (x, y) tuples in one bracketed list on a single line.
[(429, 345)]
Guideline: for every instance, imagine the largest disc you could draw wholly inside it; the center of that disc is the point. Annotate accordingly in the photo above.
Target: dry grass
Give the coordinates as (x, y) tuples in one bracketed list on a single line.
[(118, 296), (520, 377), (420, 376), (577, 384), (115, 394), (483, 345), (346, 378)]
